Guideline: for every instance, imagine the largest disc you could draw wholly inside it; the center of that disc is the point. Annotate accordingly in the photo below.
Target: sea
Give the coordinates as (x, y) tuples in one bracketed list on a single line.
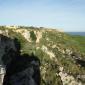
[(76, 33)]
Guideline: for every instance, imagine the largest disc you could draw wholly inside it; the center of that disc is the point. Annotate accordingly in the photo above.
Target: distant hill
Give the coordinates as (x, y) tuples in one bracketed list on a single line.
[(62, 56)]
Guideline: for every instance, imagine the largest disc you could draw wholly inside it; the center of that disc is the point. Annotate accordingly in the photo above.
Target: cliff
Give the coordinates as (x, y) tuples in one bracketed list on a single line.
[(62, 56)]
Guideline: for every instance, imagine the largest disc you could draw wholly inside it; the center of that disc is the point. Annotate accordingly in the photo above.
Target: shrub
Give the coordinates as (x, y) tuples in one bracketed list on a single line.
[(33, 36)]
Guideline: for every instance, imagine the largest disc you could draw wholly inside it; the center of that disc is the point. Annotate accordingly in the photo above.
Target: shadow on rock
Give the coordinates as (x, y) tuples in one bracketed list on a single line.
[(20, 69), (81, 62)]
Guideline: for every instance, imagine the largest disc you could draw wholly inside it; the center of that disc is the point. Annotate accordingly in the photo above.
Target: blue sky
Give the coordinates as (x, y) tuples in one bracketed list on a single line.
[(68, 15)]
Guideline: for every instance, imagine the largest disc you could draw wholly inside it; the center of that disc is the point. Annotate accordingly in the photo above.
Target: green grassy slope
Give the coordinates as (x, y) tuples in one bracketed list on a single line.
[(66, 49)]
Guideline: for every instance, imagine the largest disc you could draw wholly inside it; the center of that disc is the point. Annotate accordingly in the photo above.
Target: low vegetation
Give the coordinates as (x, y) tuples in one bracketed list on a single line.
[(66, 49)]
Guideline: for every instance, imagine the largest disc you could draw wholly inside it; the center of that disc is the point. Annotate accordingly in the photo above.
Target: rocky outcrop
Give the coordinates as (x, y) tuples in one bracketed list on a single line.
[(5, 45), (2, 73), (20, 69), (68, 79), (45, 49), (27, 72)]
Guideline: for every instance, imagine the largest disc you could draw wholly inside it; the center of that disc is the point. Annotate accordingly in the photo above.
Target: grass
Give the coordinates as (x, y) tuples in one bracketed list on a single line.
[(63, 41)]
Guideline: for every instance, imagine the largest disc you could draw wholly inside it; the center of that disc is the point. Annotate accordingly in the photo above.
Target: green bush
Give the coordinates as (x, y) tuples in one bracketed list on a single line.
[(33, 36)]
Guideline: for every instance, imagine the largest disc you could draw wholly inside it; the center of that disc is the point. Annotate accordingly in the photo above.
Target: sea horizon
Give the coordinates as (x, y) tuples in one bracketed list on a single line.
[(76, 33)]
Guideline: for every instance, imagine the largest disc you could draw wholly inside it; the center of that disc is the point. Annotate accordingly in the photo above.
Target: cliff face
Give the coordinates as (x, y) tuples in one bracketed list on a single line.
[(61, 56), (5, 45)]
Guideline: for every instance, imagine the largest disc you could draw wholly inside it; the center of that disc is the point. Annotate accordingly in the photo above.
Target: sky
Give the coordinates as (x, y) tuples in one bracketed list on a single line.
[(66, 15)]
